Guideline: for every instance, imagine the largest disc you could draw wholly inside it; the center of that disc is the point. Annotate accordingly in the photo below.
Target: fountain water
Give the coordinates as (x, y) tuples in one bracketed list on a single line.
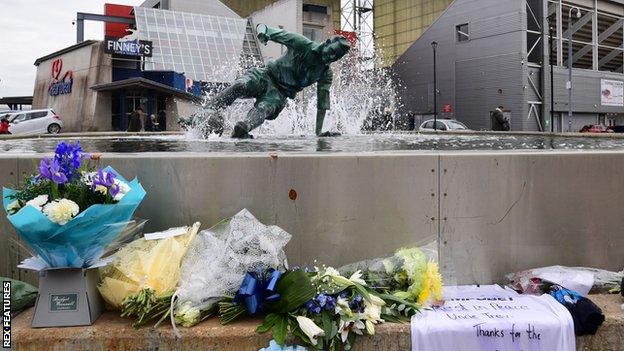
[(360, 99)]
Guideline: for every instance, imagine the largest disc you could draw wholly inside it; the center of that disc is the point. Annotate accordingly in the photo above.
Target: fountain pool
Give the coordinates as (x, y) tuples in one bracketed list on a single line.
[(349, 143)]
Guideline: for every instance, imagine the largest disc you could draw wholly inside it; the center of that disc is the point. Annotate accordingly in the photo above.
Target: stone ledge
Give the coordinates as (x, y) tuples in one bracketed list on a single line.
[(111, 332)]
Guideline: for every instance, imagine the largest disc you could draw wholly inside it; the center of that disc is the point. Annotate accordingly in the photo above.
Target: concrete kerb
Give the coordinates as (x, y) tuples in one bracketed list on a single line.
[(112, 332)]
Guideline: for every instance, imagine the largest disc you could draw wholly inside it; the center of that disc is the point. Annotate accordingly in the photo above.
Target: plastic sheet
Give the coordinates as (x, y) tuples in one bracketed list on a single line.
[(579, 279), (219, 258), (153, 264)]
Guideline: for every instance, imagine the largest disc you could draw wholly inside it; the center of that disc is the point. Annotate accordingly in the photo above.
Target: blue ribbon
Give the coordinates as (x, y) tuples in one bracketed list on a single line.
[(258, 289)]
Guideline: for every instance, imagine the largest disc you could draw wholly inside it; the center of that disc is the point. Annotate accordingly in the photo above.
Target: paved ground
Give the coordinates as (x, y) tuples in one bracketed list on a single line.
[(111, 332)]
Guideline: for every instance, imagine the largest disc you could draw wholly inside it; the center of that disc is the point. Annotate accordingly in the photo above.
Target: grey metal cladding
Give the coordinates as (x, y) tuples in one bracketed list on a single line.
[(492, 26), (585, 90), (477, 89), (474, 76)]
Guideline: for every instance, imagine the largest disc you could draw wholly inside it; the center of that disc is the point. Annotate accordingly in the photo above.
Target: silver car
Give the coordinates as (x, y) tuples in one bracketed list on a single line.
[(443, 124), (34, 122)]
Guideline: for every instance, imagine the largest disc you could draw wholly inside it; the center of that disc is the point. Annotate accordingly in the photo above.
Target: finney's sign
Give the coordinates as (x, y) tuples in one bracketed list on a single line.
[(126, 47)]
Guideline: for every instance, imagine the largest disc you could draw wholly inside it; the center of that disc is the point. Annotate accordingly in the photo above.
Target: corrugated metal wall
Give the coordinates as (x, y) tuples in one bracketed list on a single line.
[(474, 76)]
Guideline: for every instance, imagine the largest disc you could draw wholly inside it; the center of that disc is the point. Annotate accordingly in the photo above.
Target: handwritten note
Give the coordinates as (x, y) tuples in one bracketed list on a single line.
[(490, 318)]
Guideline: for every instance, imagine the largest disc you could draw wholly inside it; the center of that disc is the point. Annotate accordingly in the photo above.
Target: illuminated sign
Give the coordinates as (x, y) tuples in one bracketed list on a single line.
[(63, 85), (128, 47)]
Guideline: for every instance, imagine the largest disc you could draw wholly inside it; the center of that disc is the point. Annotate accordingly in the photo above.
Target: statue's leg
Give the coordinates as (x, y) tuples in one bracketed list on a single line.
[(244, 87), (228, 95), (267, 107), (220, 101)]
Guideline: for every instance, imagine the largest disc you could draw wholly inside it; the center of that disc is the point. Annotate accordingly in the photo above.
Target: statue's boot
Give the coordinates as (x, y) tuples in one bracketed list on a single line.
[(241, 131), (255, 117), (329, 134)]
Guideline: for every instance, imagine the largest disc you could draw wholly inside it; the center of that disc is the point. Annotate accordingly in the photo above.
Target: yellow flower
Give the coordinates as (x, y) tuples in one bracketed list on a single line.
[(101, 189), (432, 284)]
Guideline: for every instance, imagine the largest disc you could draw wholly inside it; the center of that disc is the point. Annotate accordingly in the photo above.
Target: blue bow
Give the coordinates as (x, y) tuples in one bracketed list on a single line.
[(258, 289)]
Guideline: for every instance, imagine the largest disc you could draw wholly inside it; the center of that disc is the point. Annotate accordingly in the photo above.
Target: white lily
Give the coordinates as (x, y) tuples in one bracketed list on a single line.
[(357, 278), (331, 271), (342, 307), (310, 329), (372, 312), (347, 326)]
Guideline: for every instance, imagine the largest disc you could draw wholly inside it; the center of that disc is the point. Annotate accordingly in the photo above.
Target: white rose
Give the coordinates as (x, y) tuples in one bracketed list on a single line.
[(61, 211), (38, 202)]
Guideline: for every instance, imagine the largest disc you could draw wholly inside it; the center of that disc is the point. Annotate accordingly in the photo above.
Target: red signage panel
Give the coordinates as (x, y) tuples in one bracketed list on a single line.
[(350, 36), (117, 30)]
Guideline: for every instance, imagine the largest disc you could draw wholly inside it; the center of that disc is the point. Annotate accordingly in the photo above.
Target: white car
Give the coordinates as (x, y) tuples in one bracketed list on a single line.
[(443, 124), (35, 122)]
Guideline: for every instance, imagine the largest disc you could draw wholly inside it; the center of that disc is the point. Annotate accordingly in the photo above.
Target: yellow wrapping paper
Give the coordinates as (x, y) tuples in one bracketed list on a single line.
[(144, 264)]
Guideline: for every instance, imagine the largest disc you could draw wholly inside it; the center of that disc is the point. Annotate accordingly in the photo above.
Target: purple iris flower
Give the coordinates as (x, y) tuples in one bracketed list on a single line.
[(50, 169), (106, 180)]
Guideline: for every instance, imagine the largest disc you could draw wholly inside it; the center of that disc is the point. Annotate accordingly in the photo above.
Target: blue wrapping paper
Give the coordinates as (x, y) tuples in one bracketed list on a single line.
[(82, 241)]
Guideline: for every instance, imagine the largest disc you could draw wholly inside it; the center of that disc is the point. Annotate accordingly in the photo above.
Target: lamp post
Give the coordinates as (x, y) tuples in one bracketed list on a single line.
[(569, 84), (434, 45), (552, 21)]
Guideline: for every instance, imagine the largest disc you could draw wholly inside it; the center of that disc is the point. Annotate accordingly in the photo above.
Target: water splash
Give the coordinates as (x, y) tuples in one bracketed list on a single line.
[(361, 99)]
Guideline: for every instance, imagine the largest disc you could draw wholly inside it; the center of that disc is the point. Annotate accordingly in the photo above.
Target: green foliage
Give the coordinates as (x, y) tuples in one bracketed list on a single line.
[(229, 311), (398, 310), (295, 289), (146, 306), (280, 329)]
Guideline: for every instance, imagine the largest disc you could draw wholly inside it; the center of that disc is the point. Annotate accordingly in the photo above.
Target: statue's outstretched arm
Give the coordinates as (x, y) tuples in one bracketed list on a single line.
[(322, 99), (293, 40)]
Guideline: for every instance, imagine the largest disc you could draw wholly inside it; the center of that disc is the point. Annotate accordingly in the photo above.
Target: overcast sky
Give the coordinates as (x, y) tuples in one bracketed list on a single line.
[(30, 29)]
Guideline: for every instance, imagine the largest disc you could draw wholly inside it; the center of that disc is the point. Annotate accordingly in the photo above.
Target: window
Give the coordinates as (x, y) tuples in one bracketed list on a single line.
[(19, 118), (428, 125), (313, 33), (40, 114), (456, 125), (440, 125), (463, 32)]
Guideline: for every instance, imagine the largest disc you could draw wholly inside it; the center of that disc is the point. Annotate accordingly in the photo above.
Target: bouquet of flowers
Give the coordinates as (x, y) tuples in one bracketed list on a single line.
[(218, 260), (411, 274), (144, 274), (70, 213), (322, 308)]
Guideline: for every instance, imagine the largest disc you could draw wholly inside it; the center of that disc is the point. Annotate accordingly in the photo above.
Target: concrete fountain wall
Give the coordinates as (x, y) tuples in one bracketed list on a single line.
[(492, 213)]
